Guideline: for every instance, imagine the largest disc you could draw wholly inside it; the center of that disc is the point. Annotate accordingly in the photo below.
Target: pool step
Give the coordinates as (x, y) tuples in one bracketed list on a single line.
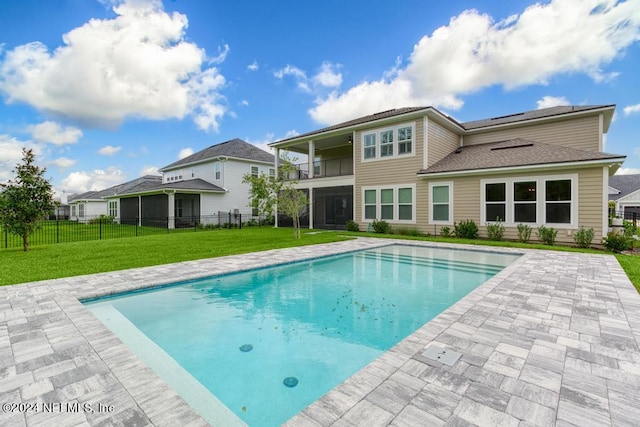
[(464, 266)]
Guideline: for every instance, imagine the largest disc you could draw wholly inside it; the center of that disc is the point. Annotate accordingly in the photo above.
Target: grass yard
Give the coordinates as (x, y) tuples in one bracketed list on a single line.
[(74, 259), (87, 257)]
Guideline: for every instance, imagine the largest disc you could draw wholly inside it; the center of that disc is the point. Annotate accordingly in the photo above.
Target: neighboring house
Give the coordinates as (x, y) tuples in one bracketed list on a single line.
[(194, 188), (89, 205), (419, 168), (624, 190)]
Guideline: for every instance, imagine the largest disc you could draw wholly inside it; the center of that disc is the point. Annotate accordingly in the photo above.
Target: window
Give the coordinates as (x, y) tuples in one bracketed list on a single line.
[(73, 210), (113, 208), (393, 142), (386, 143), (404, 139), (370, 204), (81, 210), (254, 171), (536, 200), (405, 203), (495, 202), (440, 212), (386, 203), (254, 208), (558, 201), (217, 168), (393, 204), (524, 201), (370, 146), (272, 173)]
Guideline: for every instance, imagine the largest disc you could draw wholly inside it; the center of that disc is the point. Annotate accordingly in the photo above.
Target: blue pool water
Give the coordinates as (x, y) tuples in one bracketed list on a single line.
[(269, 342)]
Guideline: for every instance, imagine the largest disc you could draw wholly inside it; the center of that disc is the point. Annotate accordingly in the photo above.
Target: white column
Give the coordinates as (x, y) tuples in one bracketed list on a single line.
[(172, 210), (312, 155), (277, 166), (310, 207)]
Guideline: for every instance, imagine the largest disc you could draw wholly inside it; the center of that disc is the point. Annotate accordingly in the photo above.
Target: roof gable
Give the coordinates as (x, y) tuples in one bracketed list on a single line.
[(235, 148)]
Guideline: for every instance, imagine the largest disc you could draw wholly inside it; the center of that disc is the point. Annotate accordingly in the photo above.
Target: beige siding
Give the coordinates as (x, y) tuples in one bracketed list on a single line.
[(467, 204), (441, 142), (400, 170), (582, 133)]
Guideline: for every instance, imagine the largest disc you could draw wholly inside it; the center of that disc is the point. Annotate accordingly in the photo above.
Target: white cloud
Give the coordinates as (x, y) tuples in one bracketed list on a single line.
[(149, 170), (11, 155), (631, 109), (299, 75), (552, 101), (244, 103), (109, 150), (185, 152), (96, 180), (473, 52), (627, 171), (54, 133), (253, 66), (328, 76), (63, 162), (138, 64)]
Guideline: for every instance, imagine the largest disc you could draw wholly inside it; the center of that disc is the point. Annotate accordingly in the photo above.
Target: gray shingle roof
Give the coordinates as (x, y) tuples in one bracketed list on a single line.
[(512, 153), (627, 184), (234, 148), (360, 120), (118, 189), (530, 115)]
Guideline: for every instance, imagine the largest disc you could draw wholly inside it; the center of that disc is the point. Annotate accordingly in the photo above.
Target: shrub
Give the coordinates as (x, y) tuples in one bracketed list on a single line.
[(583, 237), (104, 219), (407, 231), (547, 234), (466, 229), (352, 226), (629, 228), (617, 243), (524, 233), (495, 231), (446, 232), (381, 227)]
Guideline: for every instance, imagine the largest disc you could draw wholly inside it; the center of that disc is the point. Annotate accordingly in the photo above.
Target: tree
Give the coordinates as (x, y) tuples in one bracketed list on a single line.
[(266, 192), (26, 200)]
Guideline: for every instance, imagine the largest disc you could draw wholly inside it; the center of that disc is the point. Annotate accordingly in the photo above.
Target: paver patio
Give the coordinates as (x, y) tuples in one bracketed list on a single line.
[(550, 340)]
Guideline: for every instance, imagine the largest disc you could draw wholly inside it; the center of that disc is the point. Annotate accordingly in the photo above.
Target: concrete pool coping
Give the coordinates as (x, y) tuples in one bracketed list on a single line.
[(551, 339)]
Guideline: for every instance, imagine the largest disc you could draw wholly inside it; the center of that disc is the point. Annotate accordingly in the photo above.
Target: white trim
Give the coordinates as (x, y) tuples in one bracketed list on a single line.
[(605, 202), (441, 184), (524, 168), (540, 199), (378, 146), (600, 132), (396, 208), (425, 142)]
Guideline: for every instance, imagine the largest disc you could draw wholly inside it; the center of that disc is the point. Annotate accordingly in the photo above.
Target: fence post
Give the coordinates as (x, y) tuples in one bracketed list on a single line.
[(100, 229), (6, 238), (240, 219), (57, 231)]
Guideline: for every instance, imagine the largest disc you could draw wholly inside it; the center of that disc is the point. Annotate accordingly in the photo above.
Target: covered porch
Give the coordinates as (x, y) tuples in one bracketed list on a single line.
[(169, 209)]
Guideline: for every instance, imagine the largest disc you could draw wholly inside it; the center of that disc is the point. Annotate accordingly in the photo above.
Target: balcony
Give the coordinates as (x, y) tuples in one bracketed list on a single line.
[(325, 168)]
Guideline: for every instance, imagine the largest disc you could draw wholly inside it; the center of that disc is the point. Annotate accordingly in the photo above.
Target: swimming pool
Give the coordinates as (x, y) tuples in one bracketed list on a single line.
[(246, 336)]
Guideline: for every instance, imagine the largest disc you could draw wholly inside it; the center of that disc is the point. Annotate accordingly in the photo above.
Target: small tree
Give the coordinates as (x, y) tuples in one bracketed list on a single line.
[(25, 200), (266, 192)]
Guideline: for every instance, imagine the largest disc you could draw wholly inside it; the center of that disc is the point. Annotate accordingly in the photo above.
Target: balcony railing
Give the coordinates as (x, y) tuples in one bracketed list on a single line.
[(324, 168)]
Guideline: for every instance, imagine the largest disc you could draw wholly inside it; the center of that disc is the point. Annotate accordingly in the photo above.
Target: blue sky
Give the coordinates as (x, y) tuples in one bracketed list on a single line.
[(105, 91)]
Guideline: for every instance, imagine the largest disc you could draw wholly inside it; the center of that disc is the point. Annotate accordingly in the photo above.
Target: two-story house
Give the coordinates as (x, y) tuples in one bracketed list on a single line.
[(417, 167), (190, 190)]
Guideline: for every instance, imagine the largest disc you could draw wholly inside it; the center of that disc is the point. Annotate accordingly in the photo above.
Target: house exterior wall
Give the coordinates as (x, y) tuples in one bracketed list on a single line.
[(92, 209), (467, 203), (387, 171), (440, 142), (581, 133)]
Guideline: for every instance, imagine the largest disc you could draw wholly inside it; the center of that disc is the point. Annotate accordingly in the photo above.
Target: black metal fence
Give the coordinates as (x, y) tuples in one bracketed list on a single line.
[(626, 215), (100, 228)]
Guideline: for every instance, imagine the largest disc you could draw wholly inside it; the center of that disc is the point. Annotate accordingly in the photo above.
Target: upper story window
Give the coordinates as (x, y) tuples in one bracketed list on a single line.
[(388, 142), (370, 146), (254, 171), (217, 170), (272, 173)]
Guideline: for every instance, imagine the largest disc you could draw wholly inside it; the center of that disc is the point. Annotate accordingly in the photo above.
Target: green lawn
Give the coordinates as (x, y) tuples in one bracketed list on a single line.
[(73, 259)]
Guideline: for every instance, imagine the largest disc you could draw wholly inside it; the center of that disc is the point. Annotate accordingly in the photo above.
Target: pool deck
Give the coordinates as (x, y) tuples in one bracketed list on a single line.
[(553, 339)]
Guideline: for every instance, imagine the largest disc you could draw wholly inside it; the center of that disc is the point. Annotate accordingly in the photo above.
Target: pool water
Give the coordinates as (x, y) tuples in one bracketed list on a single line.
[(268, 342)]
